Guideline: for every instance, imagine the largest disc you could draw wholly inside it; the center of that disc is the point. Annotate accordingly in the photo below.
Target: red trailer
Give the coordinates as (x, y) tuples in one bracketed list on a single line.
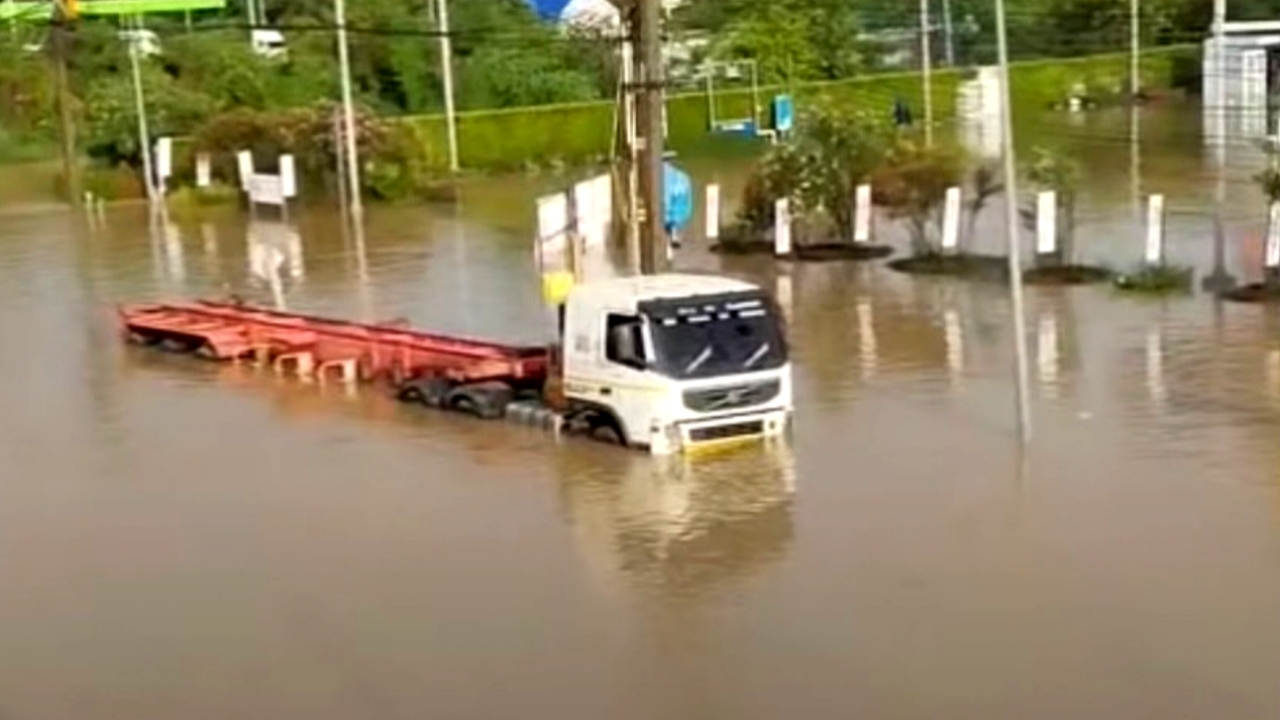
[(475, 375)]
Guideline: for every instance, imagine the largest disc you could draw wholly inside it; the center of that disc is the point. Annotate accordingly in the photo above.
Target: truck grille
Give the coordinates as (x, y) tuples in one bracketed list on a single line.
[(727, 432), (731, 397)]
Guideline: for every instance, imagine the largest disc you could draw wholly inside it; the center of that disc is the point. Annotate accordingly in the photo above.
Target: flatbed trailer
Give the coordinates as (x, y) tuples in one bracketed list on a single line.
[(476, 376)]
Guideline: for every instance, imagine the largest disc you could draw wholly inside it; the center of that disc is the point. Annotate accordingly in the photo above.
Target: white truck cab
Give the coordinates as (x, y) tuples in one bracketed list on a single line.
[(672, 362)]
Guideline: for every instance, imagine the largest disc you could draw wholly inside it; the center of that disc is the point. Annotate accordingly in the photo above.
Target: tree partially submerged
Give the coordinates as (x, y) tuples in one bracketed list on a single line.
[(912, 184), (1055, 171)]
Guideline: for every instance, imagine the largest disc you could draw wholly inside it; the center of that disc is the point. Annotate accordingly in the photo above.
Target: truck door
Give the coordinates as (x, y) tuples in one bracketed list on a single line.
[(627, 387)]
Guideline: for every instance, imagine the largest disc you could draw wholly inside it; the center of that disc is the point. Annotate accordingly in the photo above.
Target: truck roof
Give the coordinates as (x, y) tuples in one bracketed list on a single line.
[(655, 287)]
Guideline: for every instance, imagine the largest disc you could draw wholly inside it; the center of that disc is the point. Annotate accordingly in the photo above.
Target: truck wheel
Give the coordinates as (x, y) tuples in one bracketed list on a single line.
[(605, 430)]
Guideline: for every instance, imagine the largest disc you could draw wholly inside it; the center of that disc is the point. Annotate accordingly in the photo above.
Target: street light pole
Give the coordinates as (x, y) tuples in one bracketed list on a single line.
[(446, 72), (348, 112), (140, 107), (1135, 42), (926, 71), (1011, 228)]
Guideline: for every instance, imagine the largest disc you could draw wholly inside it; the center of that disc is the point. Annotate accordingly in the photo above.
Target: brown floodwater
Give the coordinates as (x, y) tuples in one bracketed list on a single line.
[(184, 540)]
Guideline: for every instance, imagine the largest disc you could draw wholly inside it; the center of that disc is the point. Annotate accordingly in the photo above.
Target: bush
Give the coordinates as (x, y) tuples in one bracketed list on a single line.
[(393, 166)]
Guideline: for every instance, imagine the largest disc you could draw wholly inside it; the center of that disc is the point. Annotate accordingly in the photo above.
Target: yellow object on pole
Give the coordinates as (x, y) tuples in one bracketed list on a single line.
[(556, 286)]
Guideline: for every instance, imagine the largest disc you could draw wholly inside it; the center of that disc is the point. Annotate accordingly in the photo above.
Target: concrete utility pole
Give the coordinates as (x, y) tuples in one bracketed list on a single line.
[(926, 71), (1011, 228), (446, 72), (653, 239), (348, 112), (949, 30), (64, 14)]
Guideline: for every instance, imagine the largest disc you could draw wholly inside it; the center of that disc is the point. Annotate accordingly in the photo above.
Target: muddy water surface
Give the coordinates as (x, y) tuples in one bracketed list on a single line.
[(182, 540)]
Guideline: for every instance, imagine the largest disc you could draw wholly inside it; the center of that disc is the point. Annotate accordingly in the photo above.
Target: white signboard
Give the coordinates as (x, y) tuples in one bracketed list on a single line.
[(862, 214), (266, 190), (713, 212), (951, 221), (1272, 259), (593, 209), (204, 172), (782, 227), (553, 222), (244, 159), (288, 177), (1047, 223), (1155, 230)]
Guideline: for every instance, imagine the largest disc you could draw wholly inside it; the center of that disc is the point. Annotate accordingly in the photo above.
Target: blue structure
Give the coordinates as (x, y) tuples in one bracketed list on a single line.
[(677, 199), (784, 114), (549, 9)]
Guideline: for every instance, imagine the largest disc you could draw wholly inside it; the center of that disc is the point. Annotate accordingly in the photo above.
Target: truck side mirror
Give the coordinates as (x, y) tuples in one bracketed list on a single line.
[(624, 342)]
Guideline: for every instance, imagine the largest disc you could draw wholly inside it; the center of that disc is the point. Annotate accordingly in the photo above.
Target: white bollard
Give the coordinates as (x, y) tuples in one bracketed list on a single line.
[(244, 159), (288, 177), (862, 210), (1271, 261), (164, 163), (951, 221), (204, 170), (782, 227), (1047, 223), (1155, 230), (713, 213)]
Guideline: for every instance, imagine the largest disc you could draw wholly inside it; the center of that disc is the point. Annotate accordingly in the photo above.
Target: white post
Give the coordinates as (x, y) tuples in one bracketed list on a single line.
[(951, 221), (140, 107), (288, 177), (348, 112), (947, 28), (926, 71), (1271, 260), (164, 164), (446, 73), (1011, 227), (1047, 223), (782, 227), (244, 162), (204, 172), (862, 211), (713, 213), (1155, 231)]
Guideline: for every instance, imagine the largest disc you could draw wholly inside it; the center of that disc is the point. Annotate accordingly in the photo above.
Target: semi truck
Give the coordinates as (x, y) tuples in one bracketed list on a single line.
[(664, 363)]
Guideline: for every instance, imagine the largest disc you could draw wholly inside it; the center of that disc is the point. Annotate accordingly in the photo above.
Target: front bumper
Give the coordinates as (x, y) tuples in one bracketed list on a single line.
[(700, 434)]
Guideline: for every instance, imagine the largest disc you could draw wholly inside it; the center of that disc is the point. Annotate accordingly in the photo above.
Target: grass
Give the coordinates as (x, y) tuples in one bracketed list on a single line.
[(1157, 280)]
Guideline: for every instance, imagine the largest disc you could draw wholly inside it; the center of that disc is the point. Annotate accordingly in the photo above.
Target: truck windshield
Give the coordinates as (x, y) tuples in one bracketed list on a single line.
[(707, 339)]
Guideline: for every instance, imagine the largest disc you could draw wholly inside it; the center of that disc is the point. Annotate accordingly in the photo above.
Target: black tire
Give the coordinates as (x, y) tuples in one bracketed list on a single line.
[(605, 430), (487, 401), (425, 391)]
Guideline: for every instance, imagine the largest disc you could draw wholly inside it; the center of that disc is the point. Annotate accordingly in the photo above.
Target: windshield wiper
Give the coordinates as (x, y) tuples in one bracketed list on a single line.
[(703, 356), (755, 356)]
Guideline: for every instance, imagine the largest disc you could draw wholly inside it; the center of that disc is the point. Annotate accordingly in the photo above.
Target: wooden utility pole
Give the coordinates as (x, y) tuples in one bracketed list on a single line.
[(64, 15), (648, 34)]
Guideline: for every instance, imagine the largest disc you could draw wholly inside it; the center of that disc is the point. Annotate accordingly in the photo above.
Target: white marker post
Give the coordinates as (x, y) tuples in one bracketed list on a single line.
[(782, 227), (288, 177), (1155, 231), (862, 211), (204, 170), (244, 161), (164, 164), (1046, 224), (1271, 259), (951, 222), (713, 213)]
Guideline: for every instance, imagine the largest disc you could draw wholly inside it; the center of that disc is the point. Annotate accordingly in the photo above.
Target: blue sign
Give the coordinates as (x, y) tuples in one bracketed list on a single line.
[(784, 113), (677, 198), (549, 9)]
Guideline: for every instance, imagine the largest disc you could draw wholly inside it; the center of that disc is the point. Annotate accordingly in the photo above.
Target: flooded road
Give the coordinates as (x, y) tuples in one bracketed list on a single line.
[(183, 540)]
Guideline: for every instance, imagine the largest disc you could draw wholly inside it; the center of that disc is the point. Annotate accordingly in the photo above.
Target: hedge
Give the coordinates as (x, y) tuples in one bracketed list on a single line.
[(582, 132)]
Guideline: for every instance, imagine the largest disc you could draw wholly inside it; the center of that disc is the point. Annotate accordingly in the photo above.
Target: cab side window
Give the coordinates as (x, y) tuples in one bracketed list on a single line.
[(624, 341)]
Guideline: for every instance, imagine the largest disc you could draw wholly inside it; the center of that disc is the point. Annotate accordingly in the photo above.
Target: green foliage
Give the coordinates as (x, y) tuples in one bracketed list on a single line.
[(1157, 280), (393, 166), (110, 110), (913, 183)]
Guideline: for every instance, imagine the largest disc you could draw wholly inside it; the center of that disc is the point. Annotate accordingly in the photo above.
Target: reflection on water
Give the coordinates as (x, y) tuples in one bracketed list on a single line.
[(190, 540)]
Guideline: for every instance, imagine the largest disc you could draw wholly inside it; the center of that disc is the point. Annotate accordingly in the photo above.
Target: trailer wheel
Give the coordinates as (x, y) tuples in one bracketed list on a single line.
[(425, 391), (487, 401)]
